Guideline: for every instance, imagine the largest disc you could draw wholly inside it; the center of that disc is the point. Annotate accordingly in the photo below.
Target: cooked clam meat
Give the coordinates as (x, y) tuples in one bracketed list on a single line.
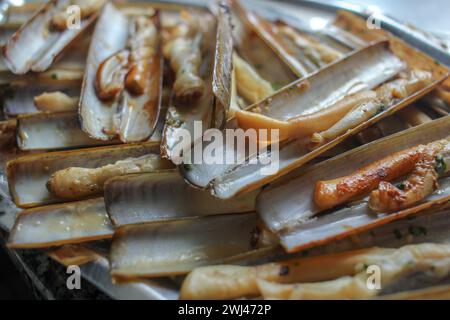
[(55, 102), (316, 51), (87, 8), (183, 48), (76, 183), (425, 163), (312, 278), (249, 84), (129, 68), (330, 123)]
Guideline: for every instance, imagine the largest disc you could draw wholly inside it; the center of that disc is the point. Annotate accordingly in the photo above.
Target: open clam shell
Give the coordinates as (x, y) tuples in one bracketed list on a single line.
[(290, 212), (223, 64), (210, 109), (173, 248), (130, 118), (28, 175), (362, 70), (52, 131), (19, 97), (258, 51), (36, 45), (61, 224), (164, 196)]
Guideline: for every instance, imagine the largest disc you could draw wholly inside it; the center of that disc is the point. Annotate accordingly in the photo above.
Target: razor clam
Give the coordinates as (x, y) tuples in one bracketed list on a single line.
[(60, 224), (290, 212), (303, 53), (28, 175), (258, 54), (107, 109), (183, 113), (51, 131), (313, 280), (362, 70), (173, 248), (39, 41), (223, 65), (163, 196), (20, 98)]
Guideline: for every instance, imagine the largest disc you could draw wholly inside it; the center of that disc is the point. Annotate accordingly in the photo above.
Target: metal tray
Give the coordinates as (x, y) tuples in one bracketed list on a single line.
[(305, 14)]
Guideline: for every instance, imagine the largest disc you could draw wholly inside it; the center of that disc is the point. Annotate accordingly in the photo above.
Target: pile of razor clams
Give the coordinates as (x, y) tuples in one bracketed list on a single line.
[(90, 150)]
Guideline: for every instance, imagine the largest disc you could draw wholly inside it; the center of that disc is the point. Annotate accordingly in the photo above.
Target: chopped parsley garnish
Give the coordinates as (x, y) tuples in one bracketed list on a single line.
[(382, 108), (398, 234), (417, 231), (188, 167), (440, 166), (284, 271), (54, 76), (401, 186)]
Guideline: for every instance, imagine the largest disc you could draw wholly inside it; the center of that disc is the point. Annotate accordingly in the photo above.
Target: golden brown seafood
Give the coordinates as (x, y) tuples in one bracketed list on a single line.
[(304, 126), (329, 194), (75, 183), (130, 68), (386, 96), (311, 278), (55, 102), (249, 84), (183, 49)]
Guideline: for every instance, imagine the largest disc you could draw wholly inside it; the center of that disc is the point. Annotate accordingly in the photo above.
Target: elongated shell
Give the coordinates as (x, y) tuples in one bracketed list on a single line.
[(223, 64), (165, 196), (35, 45), (61, 224), (27, 176), (50, 131), (162, 249), (138, 116), (289, 210), (19, 97), (210, 109), (365, 69), (256, 51)]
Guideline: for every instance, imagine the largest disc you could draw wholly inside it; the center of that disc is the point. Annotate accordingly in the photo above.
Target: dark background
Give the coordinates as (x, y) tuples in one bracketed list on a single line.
[(12, 285)]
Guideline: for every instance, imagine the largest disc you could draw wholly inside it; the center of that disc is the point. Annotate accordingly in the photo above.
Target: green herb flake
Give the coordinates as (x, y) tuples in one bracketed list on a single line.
[(188, 167), (417, 231), (382, 109), (284, 271), (277, 86), (398, 234), (401, 186), (54, 76), (440, 165)]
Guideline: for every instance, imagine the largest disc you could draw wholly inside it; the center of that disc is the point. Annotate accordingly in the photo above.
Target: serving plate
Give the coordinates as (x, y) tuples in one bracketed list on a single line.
[(304, 14)]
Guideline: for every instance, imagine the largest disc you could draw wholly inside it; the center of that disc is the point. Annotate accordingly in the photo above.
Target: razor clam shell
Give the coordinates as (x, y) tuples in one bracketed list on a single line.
[(61, 224), (19, 99), (108, 38), (365, 69), (139, 118), (34, 46), (138, 122), (52, 131), (256, 52), (173, 248), (27, 176), (223, 64), (290, 212), (163, 196), (181, 116)]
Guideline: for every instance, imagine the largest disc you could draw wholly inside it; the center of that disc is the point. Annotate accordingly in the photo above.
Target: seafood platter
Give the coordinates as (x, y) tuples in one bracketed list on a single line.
[(97, 97)]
